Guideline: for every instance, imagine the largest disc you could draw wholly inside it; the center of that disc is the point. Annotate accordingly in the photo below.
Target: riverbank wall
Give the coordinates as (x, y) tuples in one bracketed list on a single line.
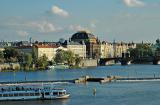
[(89, 63)]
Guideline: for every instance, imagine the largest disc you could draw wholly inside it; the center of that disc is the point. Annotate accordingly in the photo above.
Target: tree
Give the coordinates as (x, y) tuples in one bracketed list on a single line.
[(157, 46), (69, 57), (28, 60), (142, 50), (64, 57), (77, 60), (34, 55), (11, 54), (59, 57), (1, 57), (42, 62)]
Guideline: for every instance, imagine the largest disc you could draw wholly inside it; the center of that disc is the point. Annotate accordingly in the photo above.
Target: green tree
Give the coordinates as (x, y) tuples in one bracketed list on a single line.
[(28, 60), (157, 51), (34, 55), (59, 57), (1, 57), (69, 57), (11, 54), (77, 60), (42, 62), (142, 50)]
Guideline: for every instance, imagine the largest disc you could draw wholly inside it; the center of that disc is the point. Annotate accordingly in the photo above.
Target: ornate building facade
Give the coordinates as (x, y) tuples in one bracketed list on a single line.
[(91, 42)]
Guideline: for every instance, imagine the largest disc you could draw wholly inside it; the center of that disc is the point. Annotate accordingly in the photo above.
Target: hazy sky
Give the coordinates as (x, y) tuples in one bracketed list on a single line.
[(122, 20)]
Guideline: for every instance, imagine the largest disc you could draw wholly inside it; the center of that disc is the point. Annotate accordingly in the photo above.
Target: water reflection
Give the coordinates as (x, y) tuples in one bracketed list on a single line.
[(37, 102)]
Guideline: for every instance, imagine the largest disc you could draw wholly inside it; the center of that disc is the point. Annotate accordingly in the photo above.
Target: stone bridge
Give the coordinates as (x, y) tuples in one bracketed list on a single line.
[(125, 61)]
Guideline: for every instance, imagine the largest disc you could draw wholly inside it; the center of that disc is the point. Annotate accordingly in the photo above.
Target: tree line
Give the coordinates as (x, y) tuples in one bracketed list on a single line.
[(29, 61)]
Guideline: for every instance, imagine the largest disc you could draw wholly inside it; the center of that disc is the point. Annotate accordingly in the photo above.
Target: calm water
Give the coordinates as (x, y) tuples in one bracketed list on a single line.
[(136, 93)]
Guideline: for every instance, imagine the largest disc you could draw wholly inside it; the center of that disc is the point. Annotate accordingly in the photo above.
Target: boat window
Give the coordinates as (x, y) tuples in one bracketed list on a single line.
[(55, 93), (21, 94), (31, 94), (27, 94), (0, 95), (10, 95), (47, 93), (15, 94), (60, 93), (5, 95), (37, 94)]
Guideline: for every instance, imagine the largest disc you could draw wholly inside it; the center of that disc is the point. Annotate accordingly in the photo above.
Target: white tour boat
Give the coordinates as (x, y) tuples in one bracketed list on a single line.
[(21, 93)]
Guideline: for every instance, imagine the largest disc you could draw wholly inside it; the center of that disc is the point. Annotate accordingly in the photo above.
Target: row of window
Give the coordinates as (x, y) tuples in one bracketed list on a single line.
[(29, 94), (19, 94)]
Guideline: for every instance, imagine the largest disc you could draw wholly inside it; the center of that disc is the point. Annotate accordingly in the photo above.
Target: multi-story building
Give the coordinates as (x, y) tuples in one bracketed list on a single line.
[(119, 48), (91, 42), (25, 49), (106, 50), (49, 51), (40, 50), (77, 48)]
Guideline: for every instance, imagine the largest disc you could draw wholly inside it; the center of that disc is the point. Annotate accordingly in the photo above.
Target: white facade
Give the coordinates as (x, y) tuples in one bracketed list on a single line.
[(110, 50), (106, 50), (78, 50), (119, 48), (49, 51)]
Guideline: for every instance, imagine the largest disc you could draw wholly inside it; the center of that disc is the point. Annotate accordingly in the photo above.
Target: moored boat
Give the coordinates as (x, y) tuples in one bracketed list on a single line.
[(50, 67)]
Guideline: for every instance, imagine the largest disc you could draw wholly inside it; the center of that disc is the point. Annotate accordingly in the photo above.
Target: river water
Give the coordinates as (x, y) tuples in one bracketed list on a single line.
[(122, 93)]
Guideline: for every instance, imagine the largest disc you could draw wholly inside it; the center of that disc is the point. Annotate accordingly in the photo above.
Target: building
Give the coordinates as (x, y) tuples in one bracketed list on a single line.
[(106, 50), (119, 48), (25, 49), (77, 48), (49, 51), (91, 42)]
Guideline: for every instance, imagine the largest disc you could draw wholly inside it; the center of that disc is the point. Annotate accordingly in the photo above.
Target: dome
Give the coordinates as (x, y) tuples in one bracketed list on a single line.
[(82, 36)]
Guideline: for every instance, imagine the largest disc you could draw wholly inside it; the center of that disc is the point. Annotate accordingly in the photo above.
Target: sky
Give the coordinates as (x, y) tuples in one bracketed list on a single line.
[(50, 20)]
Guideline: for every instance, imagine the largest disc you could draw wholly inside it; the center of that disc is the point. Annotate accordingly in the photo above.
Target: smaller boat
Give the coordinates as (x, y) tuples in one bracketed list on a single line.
[(61, 66), (50, 67)]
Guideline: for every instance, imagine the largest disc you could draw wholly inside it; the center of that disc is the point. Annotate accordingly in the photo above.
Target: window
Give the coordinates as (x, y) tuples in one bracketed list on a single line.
[(27, 94), (55, 93), (47, 93), (5, 95), (31, 94), (60, 93), (15, 94), (10, 95), (37, 94), (21, 94)]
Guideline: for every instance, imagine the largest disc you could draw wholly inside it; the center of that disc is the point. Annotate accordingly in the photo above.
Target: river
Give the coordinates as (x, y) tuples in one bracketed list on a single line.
[(122, 93)]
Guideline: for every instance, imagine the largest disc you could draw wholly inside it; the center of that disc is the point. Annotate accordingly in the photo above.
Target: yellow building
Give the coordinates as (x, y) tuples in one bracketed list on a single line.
[(119, 48), (48, 50), (110, 50), (77, 48), (106, 50), (25, 49)]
